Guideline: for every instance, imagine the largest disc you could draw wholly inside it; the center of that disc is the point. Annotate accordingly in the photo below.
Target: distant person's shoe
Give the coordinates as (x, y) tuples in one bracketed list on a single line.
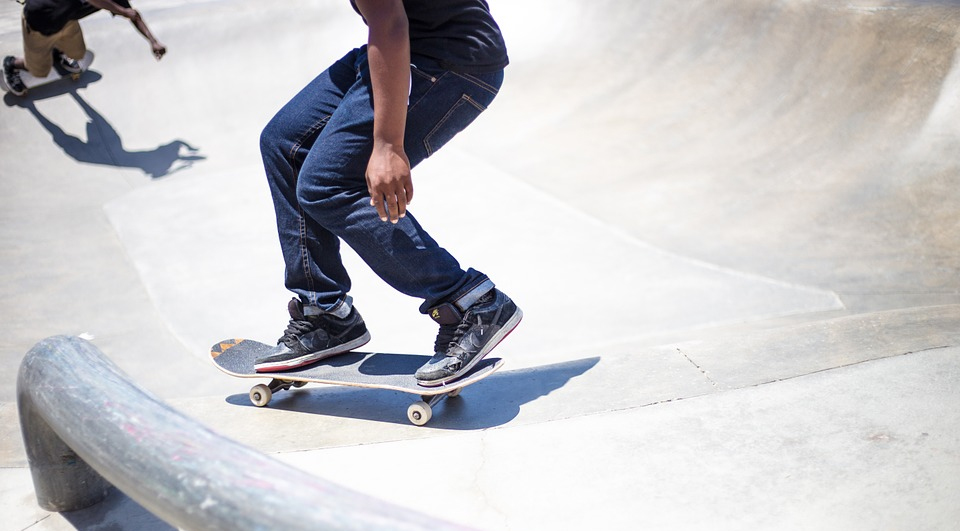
[(70, 65), (11, 77)]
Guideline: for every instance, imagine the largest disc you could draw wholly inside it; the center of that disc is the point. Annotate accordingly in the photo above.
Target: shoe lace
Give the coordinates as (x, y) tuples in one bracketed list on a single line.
[(295, 329), (450, 334)]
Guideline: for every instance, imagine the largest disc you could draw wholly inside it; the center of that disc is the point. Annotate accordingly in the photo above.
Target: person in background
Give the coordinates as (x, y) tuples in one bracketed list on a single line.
[(51, 31)]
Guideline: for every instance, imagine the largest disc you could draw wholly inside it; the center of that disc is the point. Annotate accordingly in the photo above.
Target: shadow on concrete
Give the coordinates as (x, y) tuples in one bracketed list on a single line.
[(491, 402), (117, 512), (104, 145), (54, 88)]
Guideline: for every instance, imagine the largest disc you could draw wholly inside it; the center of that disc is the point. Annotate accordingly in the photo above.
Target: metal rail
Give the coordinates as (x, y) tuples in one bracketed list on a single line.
[(86, 427)]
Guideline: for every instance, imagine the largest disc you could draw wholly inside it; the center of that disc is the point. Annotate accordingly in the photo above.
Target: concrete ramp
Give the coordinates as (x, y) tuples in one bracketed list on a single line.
[(813, 142), (682, 167), (582, 283)]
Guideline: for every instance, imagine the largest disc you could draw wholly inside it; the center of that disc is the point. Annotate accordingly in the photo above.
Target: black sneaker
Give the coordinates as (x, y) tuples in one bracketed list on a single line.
[(70, 65), (11, 77), (464, 339), (311, 339)]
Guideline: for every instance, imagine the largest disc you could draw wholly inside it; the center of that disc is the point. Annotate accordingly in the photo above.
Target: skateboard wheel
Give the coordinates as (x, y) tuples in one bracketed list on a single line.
[(419, 413), (298, 384), (454, 393), (260, 395)]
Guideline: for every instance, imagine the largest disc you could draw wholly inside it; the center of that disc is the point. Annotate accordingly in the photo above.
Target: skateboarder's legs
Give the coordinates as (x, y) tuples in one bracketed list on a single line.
[(38, 48), (310, 251), (315, 154), (316, 151)]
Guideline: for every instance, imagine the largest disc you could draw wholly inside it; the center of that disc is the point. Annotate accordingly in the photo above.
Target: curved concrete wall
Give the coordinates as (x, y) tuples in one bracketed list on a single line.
[(690, 165), (809, 141)]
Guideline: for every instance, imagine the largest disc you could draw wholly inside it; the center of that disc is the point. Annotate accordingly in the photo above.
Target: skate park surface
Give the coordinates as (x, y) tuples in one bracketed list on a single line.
[(732, 227)]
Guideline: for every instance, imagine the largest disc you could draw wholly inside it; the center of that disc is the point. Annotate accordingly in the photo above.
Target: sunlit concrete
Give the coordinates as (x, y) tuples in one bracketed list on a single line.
[(731, 225)]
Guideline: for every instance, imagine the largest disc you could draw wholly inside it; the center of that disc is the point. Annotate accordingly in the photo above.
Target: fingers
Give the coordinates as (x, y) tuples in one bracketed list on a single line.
[(158, 49), (392, 206), (389, 182)]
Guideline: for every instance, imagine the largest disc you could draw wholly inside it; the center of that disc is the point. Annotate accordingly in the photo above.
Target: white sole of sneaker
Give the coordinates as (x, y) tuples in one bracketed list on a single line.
[(313, 357)]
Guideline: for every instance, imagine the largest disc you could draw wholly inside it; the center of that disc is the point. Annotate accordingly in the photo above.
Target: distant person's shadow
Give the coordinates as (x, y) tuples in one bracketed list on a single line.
[(103, 145)]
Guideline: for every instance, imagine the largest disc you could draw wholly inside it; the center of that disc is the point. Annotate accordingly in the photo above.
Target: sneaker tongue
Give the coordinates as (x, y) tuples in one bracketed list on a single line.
[(295, 307), (446, 314)]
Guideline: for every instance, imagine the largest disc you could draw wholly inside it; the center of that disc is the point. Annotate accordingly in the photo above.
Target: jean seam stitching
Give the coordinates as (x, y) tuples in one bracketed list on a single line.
[(464, 99), (478, 82), (302, 221)]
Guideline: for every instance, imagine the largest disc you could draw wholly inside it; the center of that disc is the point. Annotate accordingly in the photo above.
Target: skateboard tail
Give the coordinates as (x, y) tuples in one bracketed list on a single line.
[(223, 346)]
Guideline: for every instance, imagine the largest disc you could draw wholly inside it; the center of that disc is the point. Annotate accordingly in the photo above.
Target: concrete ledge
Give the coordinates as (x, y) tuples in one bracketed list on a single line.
[(788, 352)]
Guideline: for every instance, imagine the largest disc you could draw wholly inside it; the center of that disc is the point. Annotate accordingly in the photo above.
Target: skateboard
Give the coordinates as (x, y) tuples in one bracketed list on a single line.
[(375, 370), (56, 73)]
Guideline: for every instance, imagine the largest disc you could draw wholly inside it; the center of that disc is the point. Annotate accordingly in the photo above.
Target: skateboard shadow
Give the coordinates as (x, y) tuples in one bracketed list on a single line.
[(104, 145), (55, 89), (493, 401), (381, 364), (377, 364)]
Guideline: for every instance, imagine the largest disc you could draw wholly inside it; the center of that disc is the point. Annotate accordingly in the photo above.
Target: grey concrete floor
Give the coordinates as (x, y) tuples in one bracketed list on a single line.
[(732, 227)]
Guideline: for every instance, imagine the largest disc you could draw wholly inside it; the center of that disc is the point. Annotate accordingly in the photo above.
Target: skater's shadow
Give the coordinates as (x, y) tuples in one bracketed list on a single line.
[(103, 144)]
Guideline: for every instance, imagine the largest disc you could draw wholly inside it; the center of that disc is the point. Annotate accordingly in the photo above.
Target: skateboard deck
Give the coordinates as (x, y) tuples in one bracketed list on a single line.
[(56, 73), (375, 370)]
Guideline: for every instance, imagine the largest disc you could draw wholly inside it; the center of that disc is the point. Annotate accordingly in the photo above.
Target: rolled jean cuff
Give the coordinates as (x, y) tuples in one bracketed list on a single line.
[(468, 298), (340, 310)]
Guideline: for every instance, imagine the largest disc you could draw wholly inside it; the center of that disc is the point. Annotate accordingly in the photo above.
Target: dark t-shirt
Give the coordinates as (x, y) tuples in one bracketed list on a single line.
[(459, 34), (50, 16)]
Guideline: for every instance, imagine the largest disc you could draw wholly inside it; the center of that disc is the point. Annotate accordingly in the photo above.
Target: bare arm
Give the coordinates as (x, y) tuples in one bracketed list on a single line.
[(388, 49), (134, 16)]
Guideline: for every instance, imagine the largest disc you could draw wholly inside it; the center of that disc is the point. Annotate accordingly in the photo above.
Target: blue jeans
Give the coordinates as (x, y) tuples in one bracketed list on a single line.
[(315, 153)]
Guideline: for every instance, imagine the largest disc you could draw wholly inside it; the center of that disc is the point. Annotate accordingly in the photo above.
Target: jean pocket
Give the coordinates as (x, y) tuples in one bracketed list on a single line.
[(420, 84), (460, 115)]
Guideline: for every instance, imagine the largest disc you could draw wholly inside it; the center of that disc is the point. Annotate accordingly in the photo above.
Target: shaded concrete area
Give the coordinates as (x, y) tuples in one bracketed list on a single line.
[(731, 225)]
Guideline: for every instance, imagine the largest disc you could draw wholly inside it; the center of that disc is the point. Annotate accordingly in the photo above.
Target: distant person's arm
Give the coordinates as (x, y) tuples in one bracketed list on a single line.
[(134, 16)]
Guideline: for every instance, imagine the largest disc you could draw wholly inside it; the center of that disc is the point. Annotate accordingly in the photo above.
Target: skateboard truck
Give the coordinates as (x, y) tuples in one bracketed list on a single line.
[(419, 413)]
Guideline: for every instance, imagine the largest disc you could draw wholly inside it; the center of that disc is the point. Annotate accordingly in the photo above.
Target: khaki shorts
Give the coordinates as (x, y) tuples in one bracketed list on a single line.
[(38, 48)]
